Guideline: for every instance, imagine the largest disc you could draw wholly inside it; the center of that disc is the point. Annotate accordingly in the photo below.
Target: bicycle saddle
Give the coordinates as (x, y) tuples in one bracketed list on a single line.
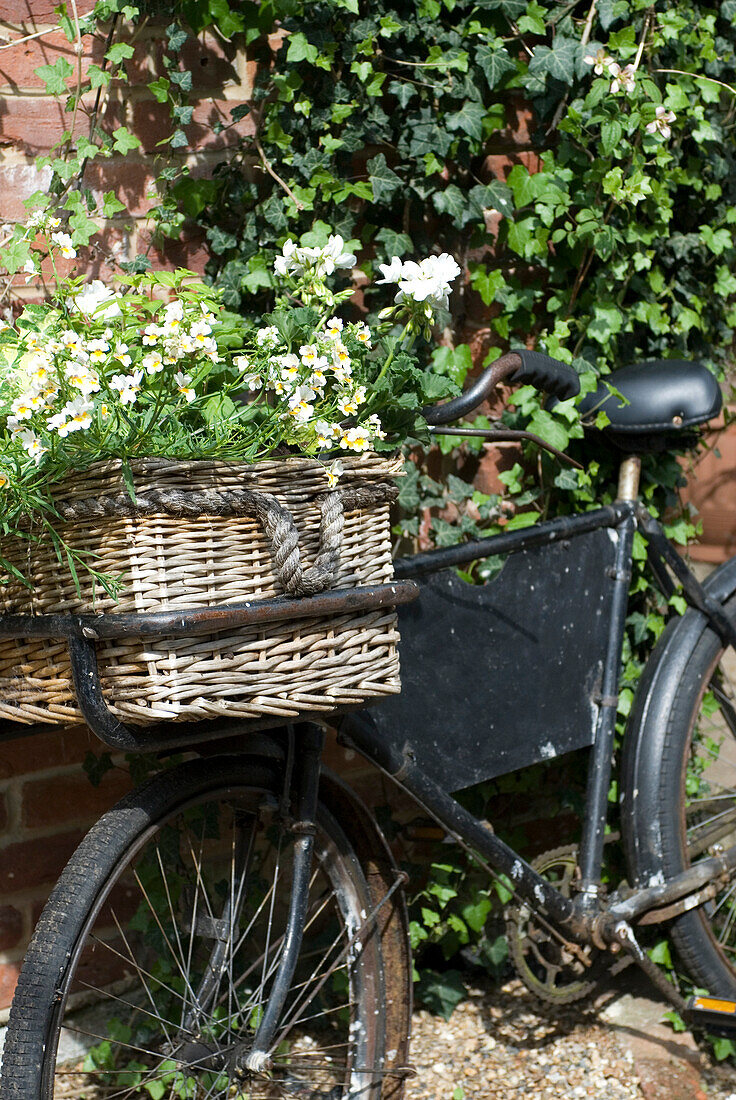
[(662, 397)]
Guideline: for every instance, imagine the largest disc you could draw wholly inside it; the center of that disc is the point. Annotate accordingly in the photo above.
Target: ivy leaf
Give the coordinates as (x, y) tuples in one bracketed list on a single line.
[(14, 255), (121, 51), (98, 78), (395, 244), (300, 49), (441, 993), (559, 61), (55, 76), (111, 205), (469, 119), (544, 424), (493, 196), (495, 64), (123, 141), (383, 179), (454, 203)]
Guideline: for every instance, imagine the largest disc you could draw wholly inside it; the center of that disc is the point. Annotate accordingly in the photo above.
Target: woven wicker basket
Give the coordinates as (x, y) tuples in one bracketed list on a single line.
[(175, 562)]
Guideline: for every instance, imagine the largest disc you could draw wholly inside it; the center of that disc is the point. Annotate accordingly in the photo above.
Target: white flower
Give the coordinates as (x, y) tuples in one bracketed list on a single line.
[(428, 280), (152, 363), (242, 362), (325, 433), (334, 328), (309, 354), (32, 445), (128, 386), (391, 272), (318, 378), (65, 244), (82, 378), (97, 350), (623, 79), (182, 383), (71, 340), (76, 416), (150, 336), (373, 423), (253, 380), (600, 60), (283, 265), (23, 406), (30, 268), (269, 335), (661, 122), (355, 439), (121, 354), (301, 404), (91, 296), (362, 333), (333, 255), (348, 403), (37, 218), (334, 470)]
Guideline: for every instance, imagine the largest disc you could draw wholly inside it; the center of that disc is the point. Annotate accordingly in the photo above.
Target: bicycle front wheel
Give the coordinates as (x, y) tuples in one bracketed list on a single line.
[(151, 965), (697, 806)]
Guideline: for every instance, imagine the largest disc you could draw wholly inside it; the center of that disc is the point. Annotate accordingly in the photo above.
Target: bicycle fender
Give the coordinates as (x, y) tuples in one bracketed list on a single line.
[(647, 730)]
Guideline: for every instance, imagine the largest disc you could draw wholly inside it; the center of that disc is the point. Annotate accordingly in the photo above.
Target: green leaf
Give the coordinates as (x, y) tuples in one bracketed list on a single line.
[(454, 203), (383, 179), (454, 363), (551, 431), (394, 243), (558, 62), (98, 78), (160, 89), (469, 119), (14, 255), (495, 64), (55, 76), (300, 49), (111, 205), (123, 141), (611, 132), (441, 993), (121, 51)]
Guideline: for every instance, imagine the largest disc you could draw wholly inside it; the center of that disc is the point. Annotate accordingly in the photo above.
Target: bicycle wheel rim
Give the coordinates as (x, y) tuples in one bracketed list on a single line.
[(359, 1043)]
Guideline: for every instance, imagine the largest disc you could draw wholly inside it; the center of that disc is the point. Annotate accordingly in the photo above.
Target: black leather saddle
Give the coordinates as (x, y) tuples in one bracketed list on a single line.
[(662, 397)]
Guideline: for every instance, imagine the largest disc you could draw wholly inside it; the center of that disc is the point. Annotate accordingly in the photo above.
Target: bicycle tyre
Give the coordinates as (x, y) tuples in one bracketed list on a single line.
[(696, 806), (73, 935)]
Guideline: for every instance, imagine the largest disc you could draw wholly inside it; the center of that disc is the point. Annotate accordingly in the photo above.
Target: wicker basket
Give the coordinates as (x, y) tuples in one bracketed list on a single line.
[(175, 561)]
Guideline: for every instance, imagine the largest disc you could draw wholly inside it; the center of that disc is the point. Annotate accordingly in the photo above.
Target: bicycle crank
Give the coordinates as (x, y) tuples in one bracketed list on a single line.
[(551, 967)]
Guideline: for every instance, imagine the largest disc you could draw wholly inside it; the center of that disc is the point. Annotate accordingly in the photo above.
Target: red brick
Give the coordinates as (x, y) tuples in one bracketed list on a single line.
[(498, 165), (70, 799), (37, 12), (17, 182), (11, 927), (131, 181), (8, 980), (29, 863), (33, 124), (190, 251), (210, 61), (67, 745), (3, 813), (152, 124), (18, 64)]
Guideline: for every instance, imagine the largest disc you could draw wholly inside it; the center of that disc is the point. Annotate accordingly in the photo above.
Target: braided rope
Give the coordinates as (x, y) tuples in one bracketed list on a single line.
[(276, 520)]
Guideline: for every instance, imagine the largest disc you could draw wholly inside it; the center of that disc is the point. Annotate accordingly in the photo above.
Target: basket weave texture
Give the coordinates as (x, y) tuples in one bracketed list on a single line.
[(175, 562)]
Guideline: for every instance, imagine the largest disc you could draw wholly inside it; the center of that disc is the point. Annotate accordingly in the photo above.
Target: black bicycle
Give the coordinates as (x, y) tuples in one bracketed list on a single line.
[(236, 926)]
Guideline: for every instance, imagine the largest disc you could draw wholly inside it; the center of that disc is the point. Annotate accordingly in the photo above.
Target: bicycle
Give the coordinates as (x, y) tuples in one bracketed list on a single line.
[(236, 926)]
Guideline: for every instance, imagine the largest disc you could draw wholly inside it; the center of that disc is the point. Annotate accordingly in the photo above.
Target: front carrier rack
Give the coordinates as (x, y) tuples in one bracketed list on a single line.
[(83, 631)]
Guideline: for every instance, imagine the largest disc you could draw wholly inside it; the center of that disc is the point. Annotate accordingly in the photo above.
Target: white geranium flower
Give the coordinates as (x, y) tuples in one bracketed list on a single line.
[(285, 264), (373, 424), (182, 383), (661, 122), (391, 272), (91, 297), (268, 336), (333, 255), (429, 280)]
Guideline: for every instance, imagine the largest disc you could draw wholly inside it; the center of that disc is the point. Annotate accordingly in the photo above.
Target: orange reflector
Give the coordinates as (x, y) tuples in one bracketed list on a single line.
[(713, 1005)]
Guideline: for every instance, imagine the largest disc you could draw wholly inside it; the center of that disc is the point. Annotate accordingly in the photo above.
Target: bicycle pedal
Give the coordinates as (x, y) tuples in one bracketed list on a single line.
[(712, 1014)]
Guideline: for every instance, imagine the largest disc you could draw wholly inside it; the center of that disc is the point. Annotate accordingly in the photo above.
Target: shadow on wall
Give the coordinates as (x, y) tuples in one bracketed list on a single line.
[(712, 490)]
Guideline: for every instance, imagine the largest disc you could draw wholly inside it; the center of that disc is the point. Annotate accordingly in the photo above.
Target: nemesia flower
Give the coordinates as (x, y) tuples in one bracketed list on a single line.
[(318, 378), (128, 386), (97, 350), (85, 380), (121, 354), (4, 479), (70, 340), (242, 362), (253, 381), (30, 268), (32, 445), (150, 335), (74, 417), (363, 333), (325, 433), (309, 354), (152, 363), (661, 122), (623, 79), (376, 428), (23, 406), (182, 383), (334, 470), (301, 405), (65, 244), (355, 439), (333, 328), (347, 404)]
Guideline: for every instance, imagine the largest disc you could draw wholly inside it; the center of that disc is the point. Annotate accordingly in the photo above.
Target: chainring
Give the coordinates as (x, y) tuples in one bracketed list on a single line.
[(549, 966)]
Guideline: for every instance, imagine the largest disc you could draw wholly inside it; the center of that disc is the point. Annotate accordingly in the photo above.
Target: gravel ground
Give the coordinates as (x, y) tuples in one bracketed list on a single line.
[(504, 1043)]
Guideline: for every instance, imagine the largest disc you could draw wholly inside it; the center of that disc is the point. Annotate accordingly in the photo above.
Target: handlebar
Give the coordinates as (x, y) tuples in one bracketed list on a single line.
[(521, 365)]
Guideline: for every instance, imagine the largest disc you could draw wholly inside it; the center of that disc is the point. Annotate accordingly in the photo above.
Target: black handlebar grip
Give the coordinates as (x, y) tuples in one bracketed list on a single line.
[(545, 373)]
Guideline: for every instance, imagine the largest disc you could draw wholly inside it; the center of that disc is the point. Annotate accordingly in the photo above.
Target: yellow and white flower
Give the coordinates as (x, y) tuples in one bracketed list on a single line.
[(182, 384), (355, 439), (333, 328), (82, 378), (65, 245), (152, 363), (301, 403), (32, 444), (97, 350), (128, 386), (334, 471)]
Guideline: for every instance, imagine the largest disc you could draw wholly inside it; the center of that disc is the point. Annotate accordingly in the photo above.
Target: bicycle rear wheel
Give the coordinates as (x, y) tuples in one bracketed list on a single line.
[(151, 964), (696, 807)]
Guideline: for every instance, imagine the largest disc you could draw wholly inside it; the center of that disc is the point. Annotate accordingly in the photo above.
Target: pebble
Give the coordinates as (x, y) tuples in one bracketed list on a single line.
[(503, 1043)]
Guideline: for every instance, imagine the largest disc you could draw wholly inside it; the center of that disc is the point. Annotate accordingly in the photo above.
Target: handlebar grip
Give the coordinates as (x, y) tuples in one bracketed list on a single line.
[(520, 365), (548, 374)]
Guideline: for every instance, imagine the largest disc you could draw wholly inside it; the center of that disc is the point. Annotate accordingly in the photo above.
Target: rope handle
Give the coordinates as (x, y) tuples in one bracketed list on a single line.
[(277, 522)]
